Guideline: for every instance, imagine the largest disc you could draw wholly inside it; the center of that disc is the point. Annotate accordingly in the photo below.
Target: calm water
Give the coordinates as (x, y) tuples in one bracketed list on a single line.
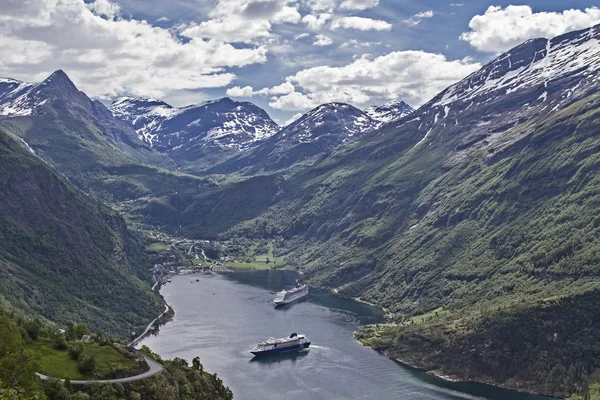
[(221, 318)]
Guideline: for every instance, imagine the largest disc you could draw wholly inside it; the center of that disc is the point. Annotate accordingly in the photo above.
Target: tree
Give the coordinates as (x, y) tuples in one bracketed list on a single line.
[(86, 363), (17, 364), (60, 343), (32, 329), (196, 364), (75, 350)]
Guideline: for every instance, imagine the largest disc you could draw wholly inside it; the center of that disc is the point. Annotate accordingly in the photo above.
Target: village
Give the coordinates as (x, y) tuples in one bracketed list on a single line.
[(181, 256)]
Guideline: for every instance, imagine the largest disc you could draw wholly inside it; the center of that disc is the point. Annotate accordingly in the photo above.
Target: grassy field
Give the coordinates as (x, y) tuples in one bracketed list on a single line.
[(157, 246), (57, 363)]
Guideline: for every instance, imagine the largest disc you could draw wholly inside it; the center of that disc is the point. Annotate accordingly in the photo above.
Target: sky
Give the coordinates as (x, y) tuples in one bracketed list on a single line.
[(287, 56)]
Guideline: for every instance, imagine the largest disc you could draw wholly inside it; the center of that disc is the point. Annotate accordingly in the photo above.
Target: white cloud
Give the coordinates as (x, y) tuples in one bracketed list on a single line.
[(284, 88), (501, 29), (316, 22), (237, 91), (413, 76), (353, 43), (360, 23), (108, 55), (244, 20), (301, 36), (321, 5), (358, 4), (424, 14), (248, 91), (294, 118), (230, 29), (322, 40), (417, 18), (457, 4)]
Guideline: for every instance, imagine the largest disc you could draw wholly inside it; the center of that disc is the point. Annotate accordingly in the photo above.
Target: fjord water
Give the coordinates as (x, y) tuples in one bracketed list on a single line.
[(220, 318)]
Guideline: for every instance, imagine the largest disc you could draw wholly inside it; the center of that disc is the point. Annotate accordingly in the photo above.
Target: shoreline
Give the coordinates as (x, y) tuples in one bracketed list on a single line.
[(434, 373), (400, 362), (454, 379)]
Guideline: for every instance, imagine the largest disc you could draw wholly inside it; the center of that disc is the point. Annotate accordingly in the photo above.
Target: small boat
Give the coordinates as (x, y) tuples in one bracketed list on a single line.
[(288, 296), (274, 346)]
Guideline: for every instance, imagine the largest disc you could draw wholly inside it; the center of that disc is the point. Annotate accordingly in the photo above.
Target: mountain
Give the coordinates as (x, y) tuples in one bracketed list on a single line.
[(473, 220), (315, 133), (64, 256), (80, 137), (20, 99), (392, 111), (211, 130)]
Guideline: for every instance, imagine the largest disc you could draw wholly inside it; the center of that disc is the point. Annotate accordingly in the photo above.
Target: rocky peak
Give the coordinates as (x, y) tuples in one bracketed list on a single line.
[(388, 112)]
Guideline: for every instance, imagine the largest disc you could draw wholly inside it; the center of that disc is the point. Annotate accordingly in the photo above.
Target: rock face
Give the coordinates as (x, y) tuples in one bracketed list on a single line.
[(215, 128), (392, 111), (312, 135)]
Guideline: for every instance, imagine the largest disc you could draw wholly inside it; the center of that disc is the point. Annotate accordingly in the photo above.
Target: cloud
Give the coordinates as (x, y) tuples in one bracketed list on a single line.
[(417, 18), (248, 91), (244, 21), (316, 22), (501, 29), (321, 5), (353, 43), (457, 4), (358, 4), (237, 91), (360, 23), (301, 36), (108, 55), (413, 76), (293, 119), (322, 40)]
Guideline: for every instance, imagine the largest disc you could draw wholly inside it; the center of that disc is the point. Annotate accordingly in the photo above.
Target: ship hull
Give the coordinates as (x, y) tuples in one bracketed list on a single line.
[(287, 349), (284, 302), (289, 301)]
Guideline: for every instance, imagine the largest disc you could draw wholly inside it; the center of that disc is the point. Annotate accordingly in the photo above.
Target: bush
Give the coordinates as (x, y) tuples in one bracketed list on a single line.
[(86, 363), (60, 343), (75, 350)]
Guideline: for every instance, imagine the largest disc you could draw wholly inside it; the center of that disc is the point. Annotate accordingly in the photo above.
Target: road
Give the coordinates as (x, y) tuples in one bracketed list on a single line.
[(155, 368), (150, 325)]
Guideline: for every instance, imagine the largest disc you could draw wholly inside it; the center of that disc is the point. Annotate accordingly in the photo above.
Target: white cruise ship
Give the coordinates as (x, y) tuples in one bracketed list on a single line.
[(288, 296)]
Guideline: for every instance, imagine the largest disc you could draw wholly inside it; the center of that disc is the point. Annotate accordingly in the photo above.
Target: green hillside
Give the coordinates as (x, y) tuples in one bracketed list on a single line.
[(64, 256), (396, 224)]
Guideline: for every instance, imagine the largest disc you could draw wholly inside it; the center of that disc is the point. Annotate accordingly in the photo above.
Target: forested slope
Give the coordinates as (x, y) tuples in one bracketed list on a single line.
[(65, 256)]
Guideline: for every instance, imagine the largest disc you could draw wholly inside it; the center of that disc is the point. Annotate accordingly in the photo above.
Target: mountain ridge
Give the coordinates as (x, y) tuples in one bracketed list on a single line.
[(212, 130)]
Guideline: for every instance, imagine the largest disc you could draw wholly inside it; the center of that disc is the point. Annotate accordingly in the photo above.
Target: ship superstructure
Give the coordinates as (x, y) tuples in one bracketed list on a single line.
[(288, 296), (294, 342)]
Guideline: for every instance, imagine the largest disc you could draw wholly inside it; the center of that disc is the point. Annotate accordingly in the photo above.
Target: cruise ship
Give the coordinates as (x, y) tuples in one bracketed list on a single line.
[(272, 346), (288, 296)]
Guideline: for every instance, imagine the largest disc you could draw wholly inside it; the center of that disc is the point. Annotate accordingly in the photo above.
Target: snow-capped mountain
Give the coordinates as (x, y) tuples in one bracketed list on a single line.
[(78, 122), (491, 108), (389, 112), (22, 98), (339, 120), (189, 132), (317, 132)]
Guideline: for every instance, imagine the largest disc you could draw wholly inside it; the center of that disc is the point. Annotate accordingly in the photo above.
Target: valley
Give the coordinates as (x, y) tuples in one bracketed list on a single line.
[(472, 220)]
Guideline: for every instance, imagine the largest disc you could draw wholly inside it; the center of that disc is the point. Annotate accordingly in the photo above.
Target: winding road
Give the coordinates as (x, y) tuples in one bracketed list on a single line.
[(155, 368)]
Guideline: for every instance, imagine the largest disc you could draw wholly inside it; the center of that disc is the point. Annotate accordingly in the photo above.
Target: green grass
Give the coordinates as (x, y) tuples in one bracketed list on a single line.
[(58, 364), (157, 246), (437, 313), (251, 265)]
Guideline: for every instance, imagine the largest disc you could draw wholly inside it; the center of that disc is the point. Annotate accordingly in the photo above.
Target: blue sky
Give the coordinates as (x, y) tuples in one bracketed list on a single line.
[(285, 55)]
